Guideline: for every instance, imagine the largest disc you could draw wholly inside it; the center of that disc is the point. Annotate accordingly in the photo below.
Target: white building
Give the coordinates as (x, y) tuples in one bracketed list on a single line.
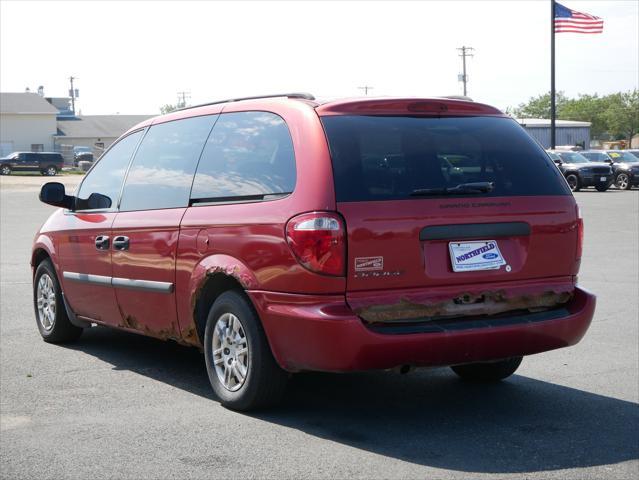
[(27, 123), (97, 132)]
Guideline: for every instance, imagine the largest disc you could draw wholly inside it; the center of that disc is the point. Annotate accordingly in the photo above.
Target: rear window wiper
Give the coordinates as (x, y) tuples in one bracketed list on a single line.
[(472, 187)]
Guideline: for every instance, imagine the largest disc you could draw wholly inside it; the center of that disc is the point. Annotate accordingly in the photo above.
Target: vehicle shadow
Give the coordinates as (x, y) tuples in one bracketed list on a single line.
[(427, 417)]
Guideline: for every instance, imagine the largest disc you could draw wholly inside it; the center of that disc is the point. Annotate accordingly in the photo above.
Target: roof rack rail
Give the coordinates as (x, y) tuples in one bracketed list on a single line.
[(302, 96)]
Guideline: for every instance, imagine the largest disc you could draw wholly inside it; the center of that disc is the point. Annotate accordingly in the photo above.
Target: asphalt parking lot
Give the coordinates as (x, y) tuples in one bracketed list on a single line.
[(118, 405)]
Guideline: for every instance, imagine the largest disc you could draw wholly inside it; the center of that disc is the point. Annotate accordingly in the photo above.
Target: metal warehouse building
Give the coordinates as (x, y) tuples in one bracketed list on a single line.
[(567, 132)]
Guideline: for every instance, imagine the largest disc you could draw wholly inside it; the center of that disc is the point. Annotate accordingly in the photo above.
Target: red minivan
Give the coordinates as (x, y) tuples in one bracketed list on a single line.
[(281, 234)]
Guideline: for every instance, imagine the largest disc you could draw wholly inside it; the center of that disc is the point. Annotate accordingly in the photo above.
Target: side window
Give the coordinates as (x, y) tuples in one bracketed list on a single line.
[(106, 176), (247, 154), (162, 171)]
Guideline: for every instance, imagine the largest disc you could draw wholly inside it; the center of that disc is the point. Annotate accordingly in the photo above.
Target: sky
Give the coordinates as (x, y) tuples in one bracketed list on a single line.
[(133, 57)]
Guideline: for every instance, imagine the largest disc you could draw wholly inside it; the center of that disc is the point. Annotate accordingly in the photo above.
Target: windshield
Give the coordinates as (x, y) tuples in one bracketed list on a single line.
[(395, 158), (572, 157), (623, 157)]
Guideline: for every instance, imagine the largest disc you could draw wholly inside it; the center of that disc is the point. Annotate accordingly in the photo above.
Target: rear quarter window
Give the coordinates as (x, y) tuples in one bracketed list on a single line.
[(248, 154), (388, 157)]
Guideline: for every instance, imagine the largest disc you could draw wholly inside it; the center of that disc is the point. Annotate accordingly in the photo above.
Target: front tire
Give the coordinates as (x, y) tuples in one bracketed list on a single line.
[(5, 170), (241, 368), (622, 181), (489, 371), (573, 182), (51, 171), (51, 316)]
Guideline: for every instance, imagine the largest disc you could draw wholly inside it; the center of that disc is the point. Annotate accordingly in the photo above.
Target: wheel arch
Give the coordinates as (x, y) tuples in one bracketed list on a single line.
[(44, 248), (213, 276)]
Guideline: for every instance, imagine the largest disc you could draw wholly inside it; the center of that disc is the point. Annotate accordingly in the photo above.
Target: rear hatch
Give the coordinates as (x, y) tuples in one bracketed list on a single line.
[(448, 215)]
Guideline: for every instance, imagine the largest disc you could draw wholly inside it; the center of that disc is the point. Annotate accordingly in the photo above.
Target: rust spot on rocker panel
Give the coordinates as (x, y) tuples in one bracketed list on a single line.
[(129, 321), (467, 304)]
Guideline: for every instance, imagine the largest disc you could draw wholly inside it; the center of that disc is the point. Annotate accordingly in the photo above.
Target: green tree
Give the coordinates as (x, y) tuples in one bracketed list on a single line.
[(164, 109), (539, 107), (587, 108), (622, 114)]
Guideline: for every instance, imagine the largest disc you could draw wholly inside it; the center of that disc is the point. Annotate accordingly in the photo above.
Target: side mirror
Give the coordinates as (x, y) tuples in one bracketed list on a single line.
[(54, 194), (558, 161), (609, 160)]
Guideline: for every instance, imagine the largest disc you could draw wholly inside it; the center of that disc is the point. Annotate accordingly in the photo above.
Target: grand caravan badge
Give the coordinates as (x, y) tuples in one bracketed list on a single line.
[(368, 264)]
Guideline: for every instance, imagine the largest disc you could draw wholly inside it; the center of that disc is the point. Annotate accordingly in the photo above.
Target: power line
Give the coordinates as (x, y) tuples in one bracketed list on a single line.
[(465, 52)]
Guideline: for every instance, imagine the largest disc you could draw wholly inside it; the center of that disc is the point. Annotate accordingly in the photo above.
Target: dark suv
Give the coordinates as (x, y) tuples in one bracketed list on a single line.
[(47, 163), (580, 172), (625, 166), (284, 234)]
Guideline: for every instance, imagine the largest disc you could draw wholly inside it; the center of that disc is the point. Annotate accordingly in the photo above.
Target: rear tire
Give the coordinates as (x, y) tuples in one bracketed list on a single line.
[(51, 316), (5, 170), (241, 368), (488, 372), (573, 182)]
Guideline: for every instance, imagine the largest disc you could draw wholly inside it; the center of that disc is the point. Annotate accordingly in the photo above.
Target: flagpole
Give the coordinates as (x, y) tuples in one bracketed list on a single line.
[(552, 74)]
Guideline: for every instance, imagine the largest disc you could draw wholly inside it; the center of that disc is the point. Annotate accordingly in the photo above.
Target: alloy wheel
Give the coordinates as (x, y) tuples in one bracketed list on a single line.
[(46, 301), (230, 352), (622, 181), (51, 171)]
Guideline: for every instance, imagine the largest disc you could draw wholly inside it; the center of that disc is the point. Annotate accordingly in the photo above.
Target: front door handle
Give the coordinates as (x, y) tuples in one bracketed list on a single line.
[(102, 242), (121, 243)]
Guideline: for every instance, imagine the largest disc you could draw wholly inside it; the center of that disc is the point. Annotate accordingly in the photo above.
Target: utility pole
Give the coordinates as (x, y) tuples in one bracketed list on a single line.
[(182, 98), (465, 52), (366, 88), (72, 94)]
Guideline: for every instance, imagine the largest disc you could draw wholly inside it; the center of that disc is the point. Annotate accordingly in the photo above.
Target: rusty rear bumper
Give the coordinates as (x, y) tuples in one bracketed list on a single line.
[(308, 332)]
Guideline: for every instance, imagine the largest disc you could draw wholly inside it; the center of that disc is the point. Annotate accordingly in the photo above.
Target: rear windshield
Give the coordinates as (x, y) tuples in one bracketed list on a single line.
[(390, 158)]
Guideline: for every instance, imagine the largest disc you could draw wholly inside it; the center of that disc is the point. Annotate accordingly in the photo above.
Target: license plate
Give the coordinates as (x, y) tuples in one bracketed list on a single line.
[(473, 256), (603, 179)]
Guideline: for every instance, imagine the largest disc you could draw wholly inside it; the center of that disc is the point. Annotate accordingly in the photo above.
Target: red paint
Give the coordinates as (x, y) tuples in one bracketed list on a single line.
[(308, 317), (153, 237)]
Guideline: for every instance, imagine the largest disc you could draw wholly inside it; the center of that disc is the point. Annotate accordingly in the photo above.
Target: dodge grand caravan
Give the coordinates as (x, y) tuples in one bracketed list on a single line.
[(282, 234)]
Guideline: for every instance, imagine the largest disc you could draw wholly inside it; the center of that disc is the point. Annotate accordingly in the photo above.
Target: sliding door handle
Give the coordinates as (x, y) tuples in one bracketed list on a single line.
[(121, 243)]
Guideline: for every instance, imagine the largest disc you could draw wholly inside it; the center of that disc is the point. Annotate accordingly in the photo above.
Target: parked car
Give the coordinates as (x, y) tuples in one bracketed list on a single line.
[(47, 163), (625, 166), (267, 232), (581, 173), (82, 157)]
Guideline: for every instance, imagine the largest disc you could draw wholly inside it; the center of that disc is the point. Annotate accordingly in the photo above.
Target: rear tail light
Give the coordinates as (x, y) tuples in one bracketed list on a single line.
[(318, 241), (580, 234)]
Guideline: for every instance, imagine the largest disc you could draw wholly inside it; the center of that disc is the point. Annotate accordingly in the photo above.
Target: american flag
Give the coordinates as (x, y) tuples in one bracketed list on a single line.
[(567, 20)]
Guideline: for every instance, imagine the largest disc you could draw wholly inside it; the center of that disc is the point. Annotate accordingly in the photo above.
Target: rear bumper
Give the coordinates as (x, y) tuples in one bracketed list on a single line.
[(309, 332)]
